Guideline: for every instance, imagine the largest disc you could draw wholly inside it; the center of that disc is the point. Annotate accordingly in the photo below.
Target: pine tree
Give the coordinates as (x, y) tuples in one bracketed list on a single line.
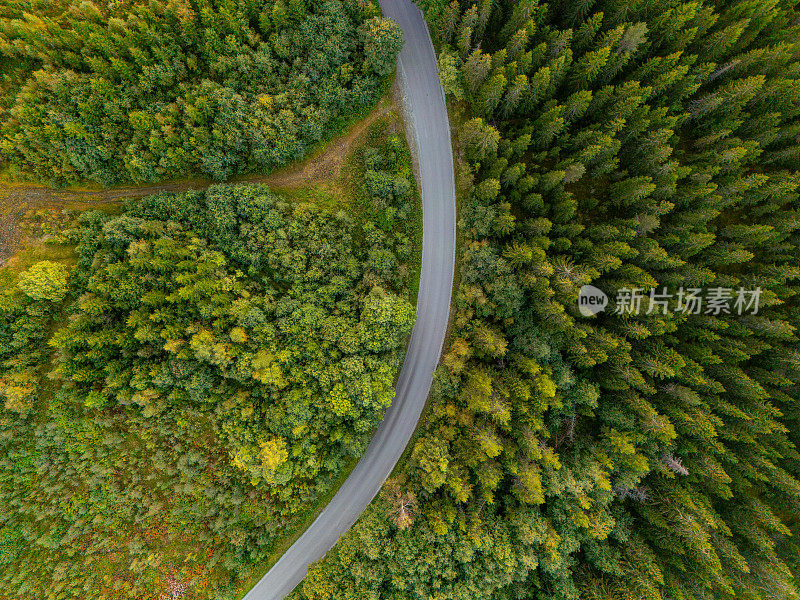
[(476, 69)]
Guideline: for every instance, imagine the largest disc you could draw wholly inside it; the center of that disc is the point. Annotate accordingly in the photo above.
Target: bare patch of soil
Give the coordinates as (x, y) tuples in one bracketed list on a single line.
[(327, 164), (17, 200)]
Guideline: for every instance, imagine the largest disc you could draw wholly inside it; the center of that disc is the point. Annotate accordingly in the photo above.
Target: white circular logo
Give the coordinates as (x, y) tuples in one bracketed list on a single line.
[(591, 300)]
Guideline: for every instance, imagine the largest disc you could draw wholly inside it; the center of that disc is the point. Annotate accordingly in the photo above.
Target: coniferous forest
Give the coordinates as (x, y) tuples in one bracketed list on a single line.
[(192, 371), (622, 144)]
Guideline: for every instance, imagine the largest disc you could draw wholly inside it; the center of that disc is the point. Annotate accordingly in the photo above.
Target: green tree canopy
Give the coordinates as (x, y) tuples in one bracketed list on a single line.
[(383, 40), (45, 280)]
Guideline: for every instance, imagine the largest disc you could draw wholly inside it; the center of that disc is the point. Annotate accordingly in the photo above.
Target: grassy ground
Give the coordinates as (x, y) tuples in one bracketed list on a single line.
[(177, 557)]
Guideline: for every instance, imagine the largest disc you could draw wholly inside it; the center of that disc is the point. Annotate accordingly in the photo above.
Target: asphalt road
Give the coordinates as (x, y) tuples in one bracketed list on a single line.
[(429, 130)]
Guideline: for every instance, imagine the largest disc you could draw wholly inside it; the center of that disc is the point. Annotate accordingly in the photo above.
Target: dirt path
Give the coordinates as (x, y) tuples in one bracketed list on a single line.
[(327, 164), (324, 165)]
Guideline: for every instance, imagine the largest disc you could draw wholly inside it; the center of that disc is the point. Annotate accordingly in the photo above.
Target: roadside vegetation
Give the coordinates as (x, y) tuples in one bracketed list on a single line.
[(647, 455)]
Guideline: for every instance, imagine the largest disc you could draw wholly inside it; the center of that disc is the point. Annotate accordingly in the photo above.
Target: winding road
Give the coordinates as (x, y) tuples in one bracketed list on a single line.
[(429, 132)]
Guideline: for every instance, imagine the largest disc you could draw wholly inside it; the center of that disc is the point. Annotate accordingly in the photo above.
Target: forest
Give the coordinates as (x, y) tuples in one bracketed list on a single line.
[(185, 378), (203, 366), (650, 455), (143, 91), (200, 369)]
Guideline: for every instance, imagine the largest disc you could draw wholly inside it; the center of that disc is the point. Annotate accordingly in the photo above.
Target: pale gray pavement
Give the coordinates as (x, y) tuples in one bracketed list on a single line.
[(426, 116)]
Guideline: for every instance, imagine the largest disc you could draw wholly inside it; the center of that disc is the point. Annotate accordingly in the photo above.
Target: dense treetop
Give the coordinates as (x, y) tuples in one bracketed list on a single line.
[(143, 91), (226, 354), (623, 144)]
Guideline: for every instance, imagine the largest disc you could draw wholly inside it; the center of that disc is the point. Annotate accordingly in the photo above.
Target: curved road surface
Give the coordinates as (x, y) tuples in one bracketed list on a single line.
[(426, 115)]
